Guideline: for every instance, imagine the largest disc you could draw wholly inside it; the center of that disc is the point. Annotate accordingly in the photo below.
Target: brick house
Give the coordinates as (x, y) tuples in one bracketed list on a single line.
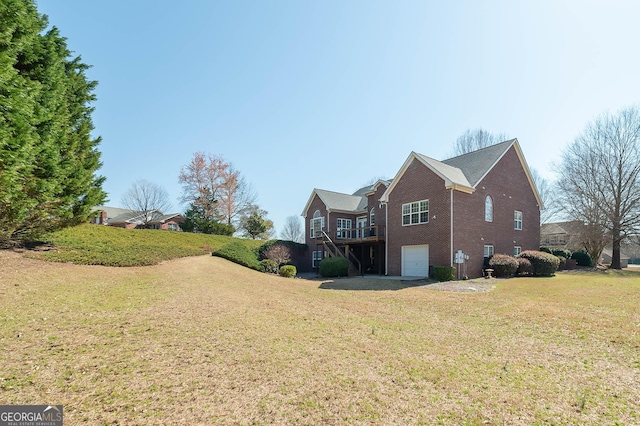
[(124, 218), (454, 212)]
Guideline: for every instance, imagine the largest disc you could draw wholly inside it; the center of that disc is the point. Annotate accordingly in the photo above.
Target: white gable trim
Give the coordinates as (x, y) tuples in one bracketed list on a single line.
[(516, 145), (448, 184), (306, 207)]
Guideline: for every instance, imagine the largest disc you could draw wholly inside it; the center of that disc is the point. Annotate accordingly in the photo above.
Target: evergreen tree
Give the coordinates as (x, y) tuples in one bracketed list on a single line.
[(197, 221), (48, 158)]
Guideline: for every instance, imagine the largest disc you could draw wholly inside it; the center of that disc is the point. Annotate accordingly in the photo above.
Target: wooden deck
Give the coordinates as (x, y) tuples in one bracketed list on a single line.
[(368, 234)]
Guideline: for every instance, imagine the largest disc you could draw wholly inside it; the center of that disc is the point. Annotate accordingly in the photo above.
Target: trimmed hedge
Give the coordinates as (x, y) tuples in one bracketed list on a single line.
[(524, 267), (561, 252), (545, 249), (582, 257), (288, 271), (444, 273), (503, 265), (334, 267), (563, 262), (544, 264), (240, 254)]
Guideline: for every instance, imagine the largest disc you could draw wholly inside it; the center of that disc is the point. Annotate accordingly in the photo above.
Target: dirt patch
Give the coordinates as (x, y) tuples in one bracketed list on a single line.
[(481, 285)]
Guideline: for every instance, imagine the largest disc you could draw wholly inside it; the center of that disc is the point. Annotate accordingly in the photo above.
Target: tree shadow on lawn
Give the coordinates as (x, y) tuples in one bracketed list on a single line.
[(371, 283)]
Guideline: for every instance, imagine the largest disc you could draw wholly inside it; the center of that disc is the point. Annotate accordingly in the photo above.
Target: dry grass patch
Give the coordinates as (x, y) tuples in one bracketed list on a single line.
[(200, 341)]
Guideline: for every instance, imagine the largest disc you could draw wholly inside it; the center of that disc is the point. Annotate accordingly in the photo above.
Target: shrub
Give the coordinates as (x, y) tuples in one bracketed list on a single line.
[(503, 265), (563, 262), (544, 264), (582, 257), (444, 273), (269, 266), (334, 267), (546, 250), (524, 267), (240, 254), (561, 252), (288, 271)]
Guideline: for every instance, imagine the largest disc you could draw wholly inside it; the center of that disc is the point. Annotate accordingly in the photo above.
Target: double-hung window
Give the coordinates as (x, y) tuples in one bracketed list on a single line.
[(517, 250), (517, 220), (317, 256), (488, 250), (415, 213), (341, 228)]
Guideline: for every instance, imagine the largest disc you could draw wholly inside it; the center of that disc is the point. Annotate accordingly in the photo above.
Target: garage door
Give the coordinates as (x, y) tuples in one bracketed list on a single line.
[(415, 261)]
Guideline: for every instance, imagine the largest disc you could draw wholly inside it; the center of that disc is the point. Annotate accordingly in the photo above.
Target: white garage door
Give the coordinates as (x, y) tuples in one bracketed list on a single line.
[(415, 261)]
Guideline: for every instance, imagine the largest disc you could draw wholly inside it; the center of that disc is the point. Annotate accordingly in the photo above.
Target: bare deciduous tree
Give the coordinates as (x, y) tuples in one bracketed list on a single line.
[(279, 253), (475, 139), (292, 230), (600, 176), (216, 188), (148, 198), (549, 199)]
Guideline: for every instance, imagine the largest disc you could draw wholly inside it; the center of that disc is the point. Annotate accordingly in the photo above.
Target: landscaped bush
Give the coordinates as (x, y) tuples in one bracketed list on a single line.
[(288, 271), (334, 267), (544, 264), (269, 266), (563, 262), (582, 257), (444, 273), (503, 265), (240, 254), (524, 267), (561, 252), (545, 249)]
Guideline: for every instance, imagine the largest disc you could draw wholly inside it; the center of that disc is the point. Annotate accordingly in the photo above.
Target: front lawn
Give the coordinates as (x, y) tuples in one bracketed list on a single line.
[(203, 341)]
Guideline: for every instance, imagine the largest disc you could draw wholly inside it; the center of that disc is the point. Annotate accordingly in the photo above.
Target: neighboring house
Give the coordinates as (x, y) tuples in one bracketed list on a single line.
[(124, 218), (605, 258), (561, 235), (476, 204)]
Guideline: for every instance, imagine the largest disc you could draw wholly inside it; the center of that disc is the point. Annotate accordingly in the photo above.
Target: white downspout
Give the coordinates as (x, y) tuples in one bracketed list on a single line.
[(451, 223)]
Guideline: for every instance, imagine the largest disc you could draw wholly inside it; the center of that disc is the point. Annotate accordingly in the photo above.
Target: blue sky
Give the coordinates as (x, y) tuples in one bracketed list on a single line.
[(331, 94)]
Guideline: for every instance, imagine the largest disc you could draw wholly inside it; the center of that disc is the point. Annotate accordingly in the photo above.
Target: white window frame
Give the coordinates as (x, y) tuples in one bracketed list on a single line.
[(488, 250), (317, 217), (316, 257), (372, 217), (488, 209), (415, 213), (517, 250), (341, 225), (172, 226), (517, 220)]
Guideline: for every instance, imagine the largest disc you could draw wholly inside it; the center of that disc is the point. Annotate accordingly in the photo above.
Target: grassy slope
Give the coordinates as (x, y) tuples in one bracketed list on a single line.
[(105, 245), (203, 341)]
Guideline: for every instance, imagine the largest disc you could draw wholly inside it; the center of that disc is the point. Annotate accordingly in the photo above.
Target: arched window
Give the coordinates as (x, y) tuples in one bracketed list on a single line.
[(316, 224), (488, 209)]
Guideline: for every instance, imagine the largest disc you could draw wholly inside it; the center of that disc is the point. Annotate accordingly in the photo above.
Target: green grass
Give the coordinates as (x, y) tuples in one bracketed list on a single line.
[(109, 246)]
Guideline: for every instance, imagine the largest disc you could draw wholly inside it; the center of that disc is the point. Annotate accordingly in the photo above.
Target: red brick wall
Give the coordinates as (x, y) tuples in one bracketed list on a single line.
[(419, 183), (510, 190), (316, 204)]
